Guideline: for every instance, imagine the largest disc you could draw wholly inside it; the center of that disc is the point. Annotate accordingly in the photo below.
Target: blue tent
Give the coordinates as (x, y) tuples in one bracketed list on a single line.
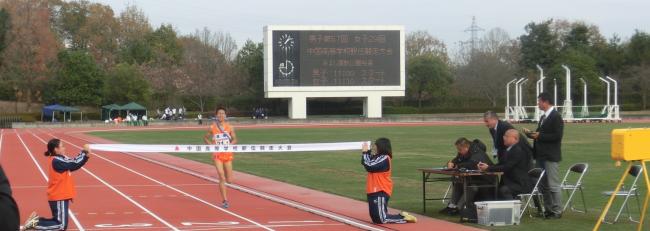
[(48, 111)]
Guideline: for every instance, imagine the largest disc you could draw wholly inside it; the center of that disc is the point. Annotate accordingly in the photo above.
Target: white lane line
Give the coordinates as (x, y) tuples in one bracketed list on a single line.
[(112, 188), (234, 227), (263, 195), (145, 226), (175, 189), (116, 185), (285, 222), (74, 218)]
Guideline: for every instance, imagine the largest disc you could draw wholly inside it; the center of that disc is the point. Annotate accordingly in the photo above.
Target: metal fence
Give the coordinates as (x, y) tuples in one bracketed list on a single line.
[(7, 120)]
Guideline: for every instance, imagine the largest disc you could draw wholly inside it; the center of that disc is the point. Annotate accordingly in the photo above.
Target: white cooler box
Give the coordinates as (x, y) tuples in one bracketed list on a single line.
[(498, 213)]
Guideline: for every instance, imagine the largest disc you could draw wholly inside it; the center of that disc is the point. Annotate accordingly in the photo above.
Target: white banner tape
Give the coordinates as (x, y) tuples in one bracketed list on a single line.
[(199, 148)]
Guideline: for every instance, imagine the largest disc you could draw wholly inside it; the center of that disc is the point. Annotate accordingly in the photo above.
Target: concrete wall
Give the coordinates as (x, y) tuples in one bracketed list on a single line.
[(9, 107)]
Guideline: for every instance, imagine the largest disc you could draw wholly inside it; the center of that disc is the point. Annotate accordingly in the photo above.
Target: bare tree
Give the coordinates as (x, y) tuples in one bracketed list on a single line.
[(226, 45), (486, 70), (167, 81), (89, 26), (134, 24), (32, 46), (422, 43), (207, 61)]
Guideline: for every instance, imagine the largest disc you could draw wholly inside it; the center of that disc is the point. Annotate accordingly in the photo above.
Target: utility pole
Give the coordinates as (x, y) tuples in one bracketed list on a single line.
[(473, 30)]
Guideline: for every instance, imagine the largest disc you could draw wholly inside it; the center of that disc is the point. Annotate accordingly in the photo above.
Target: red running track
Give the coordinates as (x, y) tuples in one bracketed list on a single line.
[(116, 191)]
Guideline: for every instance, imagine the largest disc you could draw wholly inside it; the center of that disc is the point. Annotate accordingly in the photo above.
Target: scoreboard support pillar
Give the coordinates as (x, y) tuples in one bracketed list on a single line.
[(372, 106), (298, 107)]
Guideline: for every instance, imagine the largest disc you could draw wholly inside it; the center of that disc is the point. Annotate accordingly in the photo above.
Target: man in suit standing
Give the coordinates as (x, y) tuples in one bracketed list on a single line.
[(547, 152), (497, 129), (515, 163)]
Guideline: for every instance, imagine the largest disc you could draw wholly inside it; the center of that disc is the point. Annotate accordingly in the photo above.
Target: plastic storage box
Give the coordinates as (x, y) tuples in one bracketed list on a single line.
[(498, 213)]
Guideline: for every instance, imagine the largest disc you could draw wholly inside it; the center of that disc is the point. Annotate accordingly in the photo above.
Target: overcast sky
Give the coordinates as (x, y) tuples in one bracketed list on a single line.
[(446, 20)]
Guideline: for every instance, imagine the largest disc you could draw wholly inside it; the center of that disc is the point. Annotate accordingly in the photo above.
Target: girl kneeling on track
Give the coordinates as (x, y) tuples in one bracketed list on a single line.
[(379, 185), (60, 187)]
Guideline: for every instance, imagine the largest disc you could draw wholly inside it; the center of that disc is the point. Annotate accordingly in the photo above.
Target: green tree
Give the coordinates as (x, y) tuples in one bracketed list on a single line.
[(637, 76), (5, 26), (132, 37), (539, 46), (69, 20), (125, 83), (577, 38), (250, 60), (78, 80), (6, 93), (165, 45), (610, 57), (637, 51), (428, 78), (136, 52), (582, 65)]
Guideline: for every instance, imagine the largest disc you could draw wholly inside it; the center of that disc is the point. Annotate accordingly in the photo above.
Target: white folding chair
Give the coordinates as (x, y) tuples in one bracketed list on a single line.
[(635, 171), (535, 173), (569, 187)]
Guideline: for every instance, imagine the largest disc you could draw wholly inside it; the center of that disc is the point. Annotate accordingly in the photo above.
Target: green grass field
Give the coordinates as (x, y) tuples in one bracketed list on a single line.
[(414, 147)]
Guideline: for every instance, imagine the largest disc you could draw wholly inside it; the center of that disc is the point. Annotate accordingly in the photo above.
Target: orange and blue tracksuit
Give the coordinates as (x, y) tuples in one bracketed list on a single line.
[(60, 189), (379, 187)]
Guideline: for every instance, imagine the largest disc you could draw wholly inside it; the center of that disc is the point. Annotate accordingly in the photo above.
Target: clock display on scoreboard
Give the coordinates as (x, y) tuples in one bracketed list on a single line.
[(336, 58)]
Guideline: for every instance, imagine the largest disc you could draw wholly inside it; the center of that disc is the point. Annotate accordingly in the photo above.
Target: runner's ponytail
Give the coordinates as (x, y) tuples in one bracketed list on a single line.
[(51, 145)]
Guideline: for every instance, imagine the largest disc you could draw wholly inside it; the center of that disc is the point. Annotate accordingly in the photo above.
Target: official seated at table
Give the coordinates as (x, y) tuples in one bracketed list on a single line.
[(468, 157), (515, 164)]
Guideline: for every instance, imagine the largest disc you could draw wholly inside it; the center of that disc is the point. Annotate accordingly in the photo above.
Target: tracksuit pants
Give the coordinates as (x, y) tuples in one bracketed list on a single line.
[(378, 205), (59, 220)]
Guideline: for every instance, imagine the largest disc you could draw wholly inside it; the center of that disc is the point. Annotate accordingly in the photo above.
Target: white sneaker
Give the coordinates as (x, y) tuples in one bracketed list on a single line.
[(31, 222), (408, 217)]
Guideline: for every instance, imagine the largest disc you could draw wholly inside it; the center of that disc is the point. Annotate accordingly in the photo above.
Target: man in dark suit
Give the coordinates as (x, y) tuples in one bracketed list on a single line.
[(8, 208), (547, 152), (497, 129), (515, 164)]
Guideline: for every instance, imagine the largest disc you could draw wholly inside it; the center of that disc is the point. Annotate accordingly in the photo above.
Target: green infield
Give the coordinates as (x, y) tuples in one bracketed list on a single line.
[(414, 147)]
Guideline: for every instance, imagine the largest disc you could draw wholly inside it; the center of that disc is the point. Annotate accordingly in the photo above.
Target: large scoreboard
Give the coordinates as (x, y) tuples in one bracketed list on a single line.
[(334, 61), (336, 58)]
